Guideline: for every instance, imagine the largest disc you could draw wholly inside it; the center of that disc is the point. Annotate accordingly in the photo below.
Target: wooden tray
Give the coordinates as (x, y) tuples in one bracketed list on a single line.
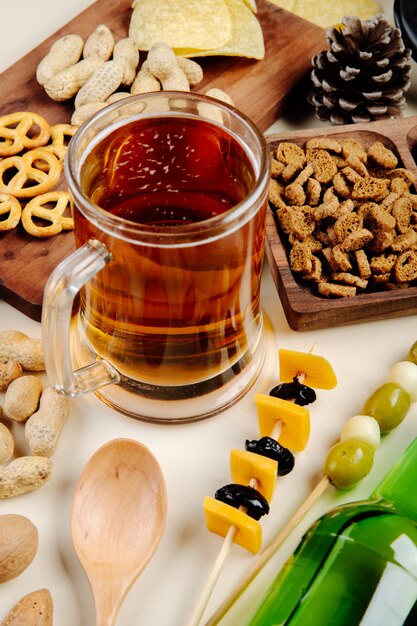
[(258, 88), (303, 309)]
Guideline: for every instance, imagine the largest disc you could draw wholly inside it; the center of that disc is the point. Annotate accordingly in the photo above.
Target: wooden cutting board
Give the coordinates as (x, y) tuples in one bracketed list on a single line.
[(258, 88)]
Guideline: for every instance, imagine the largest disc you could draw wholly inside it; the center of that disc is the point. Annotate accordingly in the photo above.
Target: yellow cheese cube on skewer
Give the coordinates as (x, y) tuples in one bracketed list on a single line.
[(246, 466), (221, 516), (295, 421), (317, 371)]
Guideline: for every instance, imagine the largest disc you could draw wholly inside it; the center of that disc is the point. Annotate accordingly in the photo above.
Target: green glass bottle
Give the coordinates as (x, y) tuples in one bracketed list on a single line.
[(356, 566)]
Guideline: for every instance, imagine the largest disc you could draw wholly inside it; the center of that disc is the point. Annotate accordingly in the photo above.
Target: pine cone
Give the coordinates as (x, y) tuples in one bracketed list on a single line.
[(364, 74)]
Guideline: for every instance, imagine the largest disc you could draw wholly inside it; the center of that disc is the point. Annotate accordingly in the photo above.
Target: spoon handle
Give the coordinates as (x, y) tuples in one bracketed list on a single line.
[(104, 619), (106, 608)]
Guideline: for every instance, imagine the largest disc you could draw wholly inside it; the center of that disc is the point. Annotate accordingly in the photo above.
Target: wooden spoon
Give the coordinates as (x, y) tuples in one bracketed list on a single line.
[(118, 516)]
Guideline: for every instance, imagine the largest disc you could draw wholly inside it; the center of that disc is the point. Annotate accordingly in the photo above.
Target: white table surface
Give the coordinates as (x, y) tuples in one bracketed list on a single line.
[(195, 457)]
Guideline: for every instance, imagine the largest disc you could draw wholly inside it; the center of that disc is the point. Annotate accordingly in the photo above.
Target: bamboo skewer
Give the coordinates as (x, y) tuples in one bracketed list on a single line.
[(229, 540), (215, 573), (217, 569), (220, 561), (269, 551)]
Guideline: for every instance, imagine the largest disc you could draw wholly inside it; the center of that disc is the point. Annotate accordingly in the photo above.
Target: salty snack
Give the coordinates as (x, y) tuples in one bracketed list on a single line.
[(145, 81), (60, 136), (9, 370), (126, 54), (164, 70), (22, 397), (108, 68), (6, 444), (18, 347), (207, 110), (9, 206), (43, 428), (100, 43), (348, 214), (162, 63), (161, 70), (37, 172), (32, 165), (382, 156), (22, 130), (50, 208), (42, 413), (198, 28), (85, 111), (64, 52), (105, 80), (246, 39), (23, 475), (192, 70), (68, 82), (102, 63), (327, 14), (192, 24)]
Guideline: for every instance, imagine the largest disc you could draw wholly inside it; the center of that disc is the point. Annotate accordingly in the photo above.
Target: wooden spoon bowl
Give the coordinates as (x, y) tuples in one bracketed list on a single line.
[(118, 517)]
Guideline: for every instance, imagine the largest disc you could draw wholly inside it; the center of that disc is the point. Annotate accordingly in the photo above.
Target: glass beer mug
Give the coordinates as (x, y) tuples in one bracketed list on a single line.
[(169, 193)]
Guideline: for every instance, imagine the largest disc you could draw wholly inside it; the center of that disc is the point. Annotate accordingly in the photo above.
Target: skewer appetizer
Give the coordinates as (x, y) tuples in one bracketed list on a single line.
[(284, 424), (350, 459)]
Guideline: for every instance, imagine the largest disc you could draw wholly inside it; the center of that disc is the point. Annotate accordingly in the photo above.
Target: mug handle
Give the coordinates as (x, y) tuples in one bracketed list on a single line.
[(60, 290)]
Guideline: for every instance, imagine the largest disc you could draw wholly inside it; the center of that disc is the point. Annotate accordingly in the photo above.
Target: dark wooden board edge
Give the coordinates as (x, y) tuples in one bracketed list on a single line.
[(304, 310)]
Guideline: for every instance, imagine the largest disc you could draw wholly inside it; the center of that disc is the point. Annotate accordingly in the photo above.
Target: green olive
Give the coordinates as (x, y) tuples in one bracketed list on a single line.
[(412, 353), (348, 462), (388, 405)]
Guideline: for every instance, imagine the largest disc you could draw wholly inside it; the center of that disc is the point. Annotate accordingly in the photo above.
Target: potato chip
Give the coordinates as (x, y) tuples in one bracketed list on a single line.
[(325, 13), (246, 40), (198, 24)]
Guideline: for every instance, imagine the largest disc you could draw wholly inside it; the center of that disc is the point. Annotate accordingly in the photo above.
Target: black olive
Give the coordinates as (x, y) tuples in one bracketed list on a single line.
[(266, 446), (243, 495), (301, 394)]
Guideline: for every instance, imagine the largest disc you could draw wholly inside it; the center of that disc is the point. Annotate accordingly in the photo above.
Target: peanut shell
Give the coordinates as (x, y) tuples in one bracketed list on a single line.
[(6, 443), (24, 474), (22, 397)]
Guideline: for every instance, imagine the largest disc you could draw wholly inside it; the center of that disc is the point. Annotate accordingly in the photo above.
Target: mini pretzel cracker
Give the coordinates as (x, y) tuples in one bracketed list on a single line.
[(9, 206), (37, 208), (29, 180), (59, 139), (20, 130)]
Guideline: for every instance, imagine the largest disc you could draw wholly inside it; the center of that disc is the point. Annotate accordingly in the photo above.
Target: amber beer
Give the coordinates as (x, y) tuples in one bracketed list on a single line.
[(176, 308), (169, 192)]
